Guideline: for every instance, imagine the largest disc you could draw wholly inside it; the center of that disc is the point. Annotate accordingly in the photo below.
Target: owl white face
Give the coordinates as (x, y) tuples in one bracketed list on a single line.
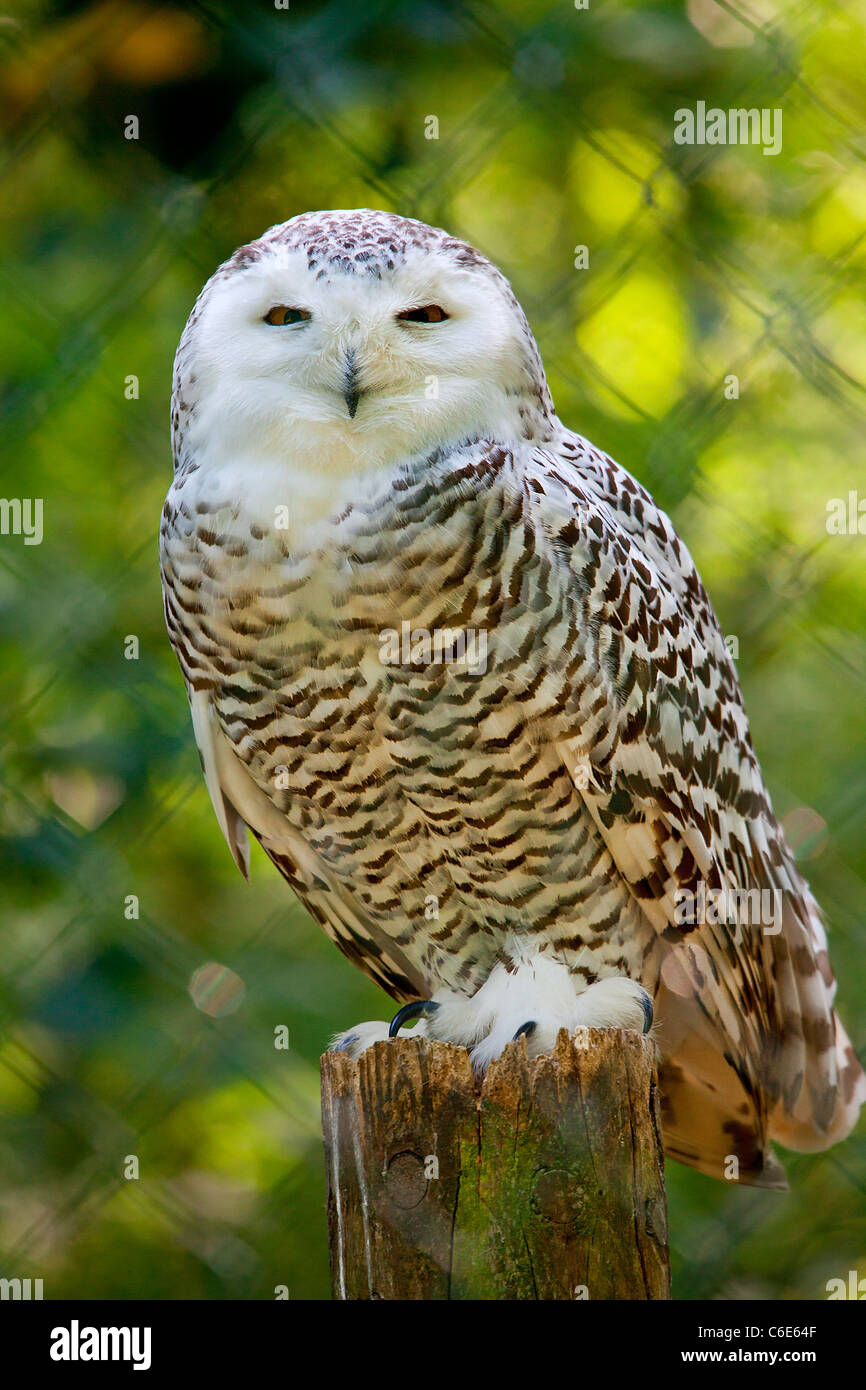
[(342, 372)]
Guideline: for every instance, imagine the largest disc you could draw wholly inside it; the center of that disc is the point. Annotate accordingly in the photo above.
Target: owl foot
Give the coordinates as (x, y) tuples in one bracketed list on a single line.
[(356, 1040), (419, 1008), (534, 999), (617, 997)]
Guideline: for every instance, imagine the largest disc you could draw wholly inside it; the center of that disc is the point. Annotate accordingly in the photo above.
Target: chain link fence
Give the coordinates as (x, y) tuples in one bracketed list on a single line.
[(699, 307)]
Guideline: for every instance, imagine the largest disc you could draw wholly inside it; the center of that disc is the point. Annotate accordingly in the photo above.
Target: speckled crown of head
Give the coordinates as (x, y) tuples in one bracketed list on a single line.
[(358, 241)]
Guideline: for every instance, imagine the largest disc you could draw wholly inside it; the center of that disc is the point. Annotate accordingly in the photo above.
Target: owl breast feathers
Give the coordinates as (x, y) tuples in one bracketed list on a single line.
[(458, 675)]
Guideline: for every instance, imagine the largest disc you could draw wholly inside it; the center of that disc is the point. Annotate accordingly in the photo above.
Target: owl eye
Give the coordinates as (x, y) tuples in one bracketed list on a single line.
[(284, 313), (428, 313)]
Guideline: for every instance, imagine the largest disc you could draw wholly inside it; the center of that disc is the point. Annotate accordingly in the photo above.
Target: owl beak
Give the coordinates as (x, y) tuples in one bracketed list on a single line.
[(351, 390)]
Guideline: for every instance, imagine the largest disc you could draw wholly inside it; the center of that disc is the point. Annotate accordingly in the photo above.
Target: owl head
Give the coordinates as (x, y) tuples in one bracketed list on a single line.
[(354, 339)]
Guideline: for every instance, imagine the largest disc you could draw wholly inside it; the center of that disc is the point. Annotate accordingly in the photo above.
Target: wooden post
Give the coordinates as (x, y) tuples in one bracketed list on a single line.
[(545, 1182)]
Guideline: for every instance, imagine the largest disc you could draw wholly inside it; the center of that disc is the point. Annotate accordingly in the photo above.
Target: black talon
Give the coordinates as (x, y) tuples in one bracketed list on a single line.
[(419, 1008), (647, 1012), (525, 1030)]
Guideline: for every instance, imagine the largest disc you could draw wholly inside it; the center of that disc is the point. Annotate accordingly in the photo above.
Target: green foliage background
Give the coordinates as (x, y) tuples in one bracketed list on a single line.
[(555, 130)]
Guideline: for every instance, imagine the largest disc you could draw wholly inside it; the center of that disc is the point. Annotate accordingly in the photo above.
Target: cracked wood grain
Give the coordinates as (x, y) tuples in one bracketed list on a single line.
[(546, 1182)]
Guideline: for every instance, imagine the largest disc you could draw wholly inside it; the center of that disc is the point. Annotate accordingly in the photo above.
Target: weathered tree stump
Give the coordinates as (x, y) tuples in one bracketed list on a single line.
[(545, 1182)]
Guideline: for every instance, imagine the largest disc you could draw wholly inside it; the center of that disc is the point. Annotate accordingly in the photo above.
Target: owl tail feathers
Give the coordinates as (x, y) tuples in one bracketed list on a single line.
[(708, 1127), (712, 1122), (801, 1129)]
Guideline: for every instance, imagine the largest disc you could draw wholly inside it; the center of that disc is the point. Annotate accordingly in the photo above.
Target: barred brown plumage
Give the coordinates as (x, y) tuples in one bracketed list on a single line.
[(522, 835)]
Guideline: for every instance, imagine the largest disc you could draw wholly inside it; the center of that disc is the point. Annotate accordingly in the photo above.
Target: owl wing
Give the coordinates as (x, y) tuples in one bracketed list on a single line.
[(240, 804), (660, 750)]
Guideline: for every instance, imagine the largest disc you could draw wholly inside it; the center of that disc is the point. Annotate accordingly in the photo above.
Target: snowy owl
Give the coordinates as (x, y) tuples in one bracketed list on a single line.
[(456, 672)]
